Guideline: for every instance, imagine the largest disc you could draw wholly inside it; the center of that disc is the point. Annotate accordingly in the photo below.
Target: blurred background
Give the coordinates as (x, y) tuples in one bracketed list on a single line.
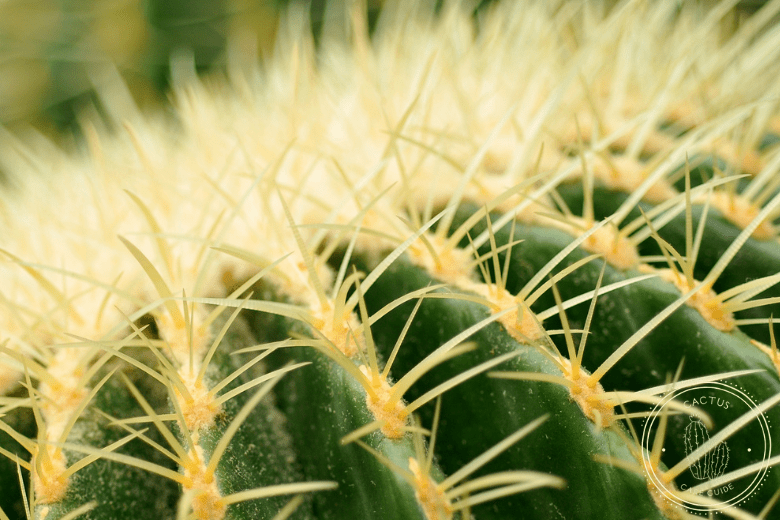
[(50, 49)]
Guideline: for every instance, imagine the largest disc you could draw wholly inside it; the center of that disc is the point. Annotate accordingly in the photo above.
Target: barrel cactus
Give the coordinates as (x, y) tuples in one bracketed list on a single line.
[(513, 262)]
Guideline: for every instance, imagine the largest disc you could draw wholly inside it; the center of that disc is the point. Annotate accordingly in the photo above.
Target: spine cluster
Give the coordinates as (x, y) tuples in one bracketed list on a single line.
[(455, 269)]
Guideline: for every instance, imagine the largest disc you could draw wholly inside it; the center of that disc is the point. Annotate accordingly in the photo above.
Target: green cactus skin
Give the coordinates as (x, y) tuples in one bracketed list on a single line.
[(755, 259), (467, 412), (386, 280), (367, 488), (129, 492)]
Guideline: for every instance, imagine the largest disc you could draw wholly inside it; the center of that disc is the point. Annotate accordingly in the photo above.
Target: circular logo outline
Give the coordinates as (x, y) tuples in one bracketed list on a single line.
[(650, 470)]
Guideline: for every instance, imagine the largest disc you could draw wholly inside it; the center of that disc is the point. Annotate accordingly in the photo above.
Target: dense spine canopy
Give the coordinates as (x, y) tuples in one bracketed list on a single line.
[(476, 263)]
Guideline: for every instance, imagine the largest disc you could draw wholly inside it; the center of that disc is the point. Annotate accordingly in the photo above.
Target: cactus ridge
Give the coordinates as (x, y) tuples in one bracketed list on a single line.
[(383, 279)]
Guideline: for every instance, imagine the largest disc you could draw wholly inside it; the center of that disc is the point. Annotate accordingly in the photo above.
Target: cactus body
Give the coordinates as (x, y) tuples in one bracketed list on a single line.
[(383, 280)]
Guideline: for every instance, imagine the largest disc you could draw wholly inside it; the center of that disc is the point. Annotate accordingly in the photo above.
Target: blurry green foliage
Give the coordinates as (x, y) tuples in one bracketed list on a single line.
[(50, 50)]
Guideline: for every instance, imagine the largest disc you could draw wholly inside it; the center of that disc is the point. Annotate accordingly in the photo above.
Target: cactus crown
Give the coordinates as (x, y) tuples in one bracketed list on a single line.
[(252, 311)]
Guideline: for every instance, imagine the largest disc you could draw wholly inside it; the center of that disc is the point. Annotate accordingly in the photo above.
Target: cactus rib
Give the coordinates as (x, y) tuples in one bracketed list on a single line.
[(518, 262)]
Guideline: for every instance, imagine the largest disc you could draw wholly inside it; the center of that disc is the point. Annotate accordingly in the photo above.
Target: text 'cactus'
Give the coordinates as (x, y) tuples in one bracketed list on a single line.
[(513, 262)]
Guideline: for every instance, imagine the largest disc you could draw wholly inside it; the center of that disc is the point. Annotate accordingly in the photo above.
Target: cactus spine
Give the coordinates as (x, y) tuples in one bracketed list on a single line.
[(449, 271)]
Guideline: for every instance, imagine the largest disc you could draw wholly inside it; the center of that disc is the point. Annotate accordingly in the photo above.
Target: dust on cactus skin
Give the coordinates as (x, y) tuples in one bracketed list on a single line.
[(445, 271)]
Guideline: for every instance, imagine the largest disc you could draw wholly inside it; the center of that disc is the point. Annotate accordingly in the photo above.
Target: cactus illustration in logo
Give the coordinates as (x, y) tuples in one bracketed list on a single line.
[(714, 462)]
